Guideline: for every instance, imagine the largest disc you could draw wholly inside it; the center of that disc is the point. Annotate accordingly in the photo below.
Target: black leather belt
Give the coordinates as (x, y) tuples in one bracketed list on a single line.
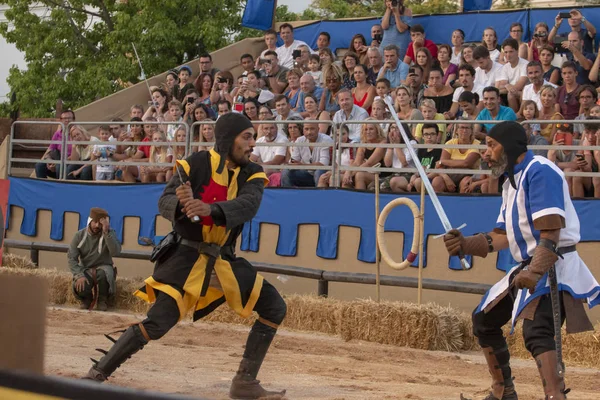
[(213, 251), (566, 249)]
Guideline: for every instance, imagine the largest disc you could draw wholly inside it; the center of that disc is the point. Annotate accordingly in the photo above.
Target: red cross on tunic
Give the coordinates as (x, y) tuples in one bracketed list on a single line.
[(213, 193)]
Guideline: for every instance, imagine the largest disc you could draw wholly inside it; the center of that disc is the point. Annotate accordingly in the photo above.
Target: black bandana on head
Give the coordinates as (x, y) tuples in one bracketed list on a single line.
[(227, 128), (513, 138)]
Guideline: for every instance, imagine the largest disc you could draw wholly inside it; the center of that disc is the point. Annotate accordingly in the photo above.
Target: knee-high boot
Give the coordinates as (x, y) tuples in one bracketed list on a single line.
[(130, 342), (503, 387), (554, 385)]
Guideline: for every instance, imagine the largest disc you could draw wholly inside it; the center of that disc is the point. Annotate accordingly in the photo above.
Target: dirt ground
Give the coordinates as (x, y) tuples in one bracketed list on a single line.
[(200, 359)]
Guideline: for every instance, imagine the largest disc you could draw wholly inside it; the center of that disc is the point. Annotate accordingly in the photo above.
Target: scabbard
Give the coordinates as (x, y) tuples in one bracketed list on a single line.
[(555, 299)]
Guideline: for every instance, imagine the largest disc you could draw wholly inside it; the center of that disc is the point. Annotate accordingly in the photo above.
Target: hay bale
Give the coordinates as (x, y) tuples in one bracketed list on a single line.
[(15, 261)]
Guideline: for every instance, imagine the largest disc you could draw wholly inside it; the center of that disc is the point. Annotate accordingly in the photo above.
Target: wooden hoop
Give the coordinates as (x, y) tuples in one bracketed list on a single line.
[(414, 250)]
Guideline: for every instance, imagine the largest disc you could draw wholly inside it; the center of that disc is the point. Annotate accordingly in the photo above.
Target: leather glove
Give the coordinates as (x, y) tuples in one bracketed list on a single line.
[(456, 243), (527, 279)]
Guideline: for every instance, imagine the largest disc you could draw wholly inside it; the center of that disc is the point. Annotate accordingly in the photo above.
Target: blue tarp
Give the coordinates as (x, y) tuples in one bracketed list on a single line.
[(439, 28), (287, 208), (259, 14), (476, 5)]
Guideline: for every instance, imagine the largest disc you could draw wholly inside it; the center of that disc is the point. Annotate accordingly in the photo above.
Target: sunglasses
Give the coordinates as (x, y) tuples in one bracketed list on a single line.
[(564, 126)]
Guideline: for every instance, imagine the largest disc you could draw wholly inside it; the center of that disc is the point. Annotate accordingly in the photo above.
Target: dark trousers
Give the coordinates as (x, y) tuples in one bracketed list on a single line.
[(164, 314), (86, 293), (85, 175), (538, 333), (42, 171)]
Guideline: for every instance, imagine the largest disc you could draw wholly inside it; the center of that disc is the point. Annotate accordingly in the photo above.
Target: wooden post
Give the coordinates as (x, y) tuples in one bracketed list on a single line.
[(421, 244)]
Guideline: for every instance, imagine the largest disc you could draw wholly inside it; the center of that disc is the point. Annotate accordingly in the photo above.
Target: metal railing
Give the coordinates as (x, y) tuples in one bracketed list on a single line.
[(323, 277), (337, 147)]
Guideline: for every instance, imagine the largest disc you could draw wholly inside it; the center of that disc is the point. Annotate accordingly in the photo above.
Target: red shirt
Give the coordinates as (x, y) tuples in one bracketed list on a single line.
[(432, 47), (145, 149)]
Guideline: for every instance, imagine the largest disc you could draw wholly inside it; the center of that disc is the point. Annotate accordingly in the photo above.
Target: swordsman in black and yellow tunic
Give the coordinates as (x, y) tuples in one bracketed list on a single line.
[(196, 268)]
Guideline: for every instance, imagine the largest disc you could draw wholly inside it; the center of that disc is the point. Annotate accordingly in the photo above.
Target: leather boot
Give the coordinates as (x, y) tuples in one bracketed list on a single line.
[(503, 387), (554, 385), (102, 303), (130, 342), (244, 384), (102, 293), (85, 303)]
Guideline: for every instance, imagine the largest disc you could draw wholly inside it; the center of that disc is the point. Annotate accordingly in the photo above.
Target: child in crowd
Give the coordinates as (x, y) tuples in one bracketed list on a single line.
[(179, 151), (430, 113), (314, 69), (158, 154), (207, 134), (184, 84), (379, 111), (346, 159), (530, 111), (104, 152), (428, 157), (174, 115), (382, 88)]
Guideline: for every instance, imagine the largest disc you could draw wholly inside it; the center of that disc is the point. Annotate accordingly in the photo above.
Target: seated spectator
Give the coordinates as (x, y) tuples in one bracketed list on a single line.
[(284, 108), (349, 61), (174, 115), (438, 92), (171, 84), (417, 36), (313, 156), (205, 62), (184, 85), (136, 111), (375, 64), (314, 70), (251, 111), (366, 157), (567, 93), (428, 157), (583, 60), (249, 89), (586, 35), (549, 110), (396, 23), (376, 35), (467, 56), (293, 89), (516, 34), (513, 74), (204, 86), (415, 82), (492, 110), (265, 113), (346, 159), (90, 258), (248, 64), (207, 135), (458, 41), (469, 104), (489, 41), (488, 71), (104, 152), (566, 160), (326, 56), (529, 112), (301, 62), (425, 61), (399, 158), (276, 75), (466, 79), (270, 38), (394, 70), (539, 41), (333, 78), (323, 41), (80, 152), (358, 46), (307, 87), (159, 105), (293, 131), (404, 105), (588, 161), (533, 131), (551, 73), (587, 97), (268, 155), (285, 52), (533, 89), (223, 107), (311, 108), (129, 152), (350, 112), (429, 112), (45, 170), (222, 87), (158, 154), (364, 93), (379, 112), (189, 106), (457, 158), (382, 91), (179, 149), (450, 70)]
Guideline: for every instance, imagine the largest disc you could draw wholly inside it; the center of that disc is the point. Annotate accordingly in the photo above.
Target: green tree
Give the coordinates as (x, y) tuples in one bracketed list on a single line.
[(81, 50), (333, 9), (510, 4)]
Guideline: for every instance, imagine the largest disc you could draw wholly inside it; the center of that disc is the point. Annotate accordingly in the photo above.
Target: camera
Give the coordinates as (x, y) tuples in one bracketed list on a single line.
[(540, 35), (222, 80), (190, 100), (296, 54), (378, 37), (394, 3)]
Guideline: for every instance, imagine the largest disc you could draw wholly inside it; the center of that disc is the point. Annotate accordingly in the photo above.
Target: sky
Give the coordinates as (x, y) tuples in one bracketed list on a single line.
[(12, 56)]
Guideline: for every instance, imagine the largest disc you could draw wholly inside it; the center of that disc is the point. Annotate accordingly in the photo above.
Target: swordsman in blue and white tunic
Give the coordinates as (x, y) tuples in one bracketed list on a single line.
[(539, 225)]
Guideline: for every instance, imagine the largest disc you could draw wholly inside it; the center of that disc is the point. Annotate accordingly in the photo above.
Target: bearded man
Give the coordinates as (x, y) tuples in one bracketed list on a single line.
[(539, 225), (196, 267), (90, 260)]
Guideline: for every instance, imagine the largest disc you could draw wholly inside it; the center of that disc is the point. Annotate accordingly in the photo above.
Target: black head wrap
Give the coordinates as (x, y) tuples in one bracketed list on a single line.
[(513, 139), (227, 128)]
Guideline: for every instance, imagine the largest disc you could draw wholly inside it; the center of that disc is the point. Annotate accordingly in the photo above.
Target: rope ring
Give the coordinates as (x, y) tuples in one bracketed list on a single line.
[(414, 250)]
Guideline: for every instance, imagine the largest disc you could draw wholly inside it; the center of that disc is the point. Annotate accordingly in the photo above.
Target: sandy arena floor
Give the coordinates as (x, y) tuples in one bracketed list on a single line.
[(200, 360)]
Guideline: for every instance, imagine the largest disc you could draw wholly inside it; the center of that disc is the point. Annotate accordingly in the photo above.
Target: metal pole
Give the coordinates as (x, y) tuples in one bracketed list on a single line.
[(434, 199), (64, 151), (377, 253), (322, 288), (10, 150), (34, 254), (421, 244)]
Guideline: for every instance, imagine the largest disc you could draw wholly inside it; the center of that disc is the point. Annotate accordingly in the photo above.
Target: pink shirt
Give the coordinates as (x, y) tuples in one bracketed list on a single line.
[(57, 137)]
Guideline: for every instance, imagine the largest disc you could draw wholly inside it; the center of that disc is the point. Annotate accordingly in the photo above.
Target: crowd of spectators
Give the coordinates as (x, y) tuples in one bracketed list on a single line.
[(450, 87)]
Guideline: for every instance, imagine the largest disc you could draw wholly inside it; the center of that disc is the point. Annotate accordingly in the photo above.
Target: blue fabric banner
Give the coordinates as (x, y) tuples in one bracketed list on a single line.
[(259, 14), (476, 5), (329, 209)]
